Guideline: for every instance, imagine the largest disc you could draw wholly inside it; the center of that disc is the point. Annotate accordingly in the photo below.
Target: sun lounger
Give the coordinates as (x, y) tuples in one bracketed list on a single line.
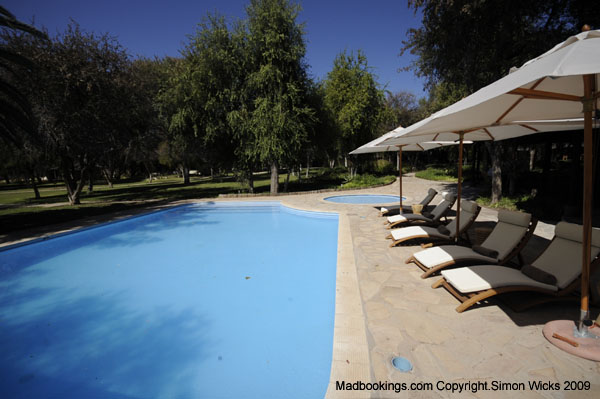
[(468, 212), (407, 208), (553, 275), (432, 218), (506, 240)]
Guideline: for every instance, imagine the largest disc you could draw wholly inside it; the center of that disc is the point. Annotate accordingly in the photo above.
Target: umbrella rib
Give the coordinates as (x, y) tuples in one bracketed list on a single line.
[(544, 95), (488, 133), (518, 101), (529, 127), (419, 145)]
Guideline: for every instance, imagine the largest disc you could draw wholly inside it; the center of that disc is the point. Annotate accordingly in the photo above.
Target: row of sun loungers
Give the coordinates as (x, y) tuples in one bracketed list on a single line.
[(553, 275), (431, 193)]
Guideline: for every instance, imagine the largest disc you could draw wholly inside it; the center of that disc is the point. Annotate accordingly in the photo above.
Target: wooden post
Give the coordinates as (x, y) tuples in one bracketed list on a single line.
[(400, 175), (459, 188), (588, 107)]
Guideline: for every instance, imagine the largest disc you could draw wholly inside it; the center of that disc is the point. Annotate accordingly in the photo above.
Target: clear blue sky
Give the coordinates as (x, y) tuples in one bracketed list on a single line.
[(151, 27)]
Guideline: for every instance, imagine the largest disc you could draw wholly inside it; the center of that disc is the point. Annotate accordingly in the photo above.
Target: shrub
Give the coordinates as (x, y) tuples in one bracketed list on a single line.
[(383, 167), (366, 180)]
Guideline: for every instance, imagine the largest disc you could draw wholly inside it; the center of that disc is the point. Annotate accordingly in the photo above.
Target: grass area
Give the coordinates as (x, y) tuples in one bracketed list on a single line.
[(368, 180), (510, 203), (19, 208), (437, 174)]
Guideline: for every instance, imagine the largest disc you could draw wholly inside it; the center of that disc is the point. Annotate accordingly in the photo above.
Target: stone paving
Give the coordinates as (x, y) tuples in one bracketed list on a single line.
[(384, 309)]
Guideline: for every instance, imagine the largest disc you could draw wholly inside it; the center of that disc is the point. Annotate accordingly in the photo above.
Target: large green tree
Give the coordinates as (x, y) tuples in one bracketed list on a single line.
[(354, 100), (400, 109), (16, 118), (279, 116), (463, 45), (77, 96)]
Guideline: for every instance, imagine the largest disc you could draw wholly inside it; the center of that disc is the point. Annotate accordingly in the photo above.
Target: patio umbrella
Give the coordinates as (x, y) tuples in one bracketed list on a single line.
[(493, 132), (560, 84), (375, 146)]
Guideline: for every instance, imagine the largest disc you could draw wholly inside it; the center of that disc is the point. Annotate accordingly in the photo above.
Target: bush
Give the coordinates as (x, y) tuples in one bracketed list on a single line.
[(510, 203), (438, 174), (367, 180), (383, 167)]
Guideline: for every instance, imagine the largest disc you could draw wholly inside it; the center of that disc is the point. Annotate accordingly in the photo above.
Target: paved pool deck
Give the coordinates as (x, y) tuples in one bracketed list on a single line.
[(384, 309)]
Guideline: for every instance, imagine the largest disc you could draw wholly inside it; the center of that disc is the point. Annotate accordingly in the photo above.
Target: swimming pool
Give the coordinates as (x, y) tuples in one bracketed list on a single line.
[(364, 199), (209, 300)]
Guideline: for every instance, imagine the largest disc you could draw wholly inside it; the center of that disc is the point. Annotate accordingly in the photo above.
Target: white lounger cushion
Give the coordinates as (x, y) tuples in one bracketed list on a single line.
[(396, 218), (562, 258), (432, 257), (437, 212), (408, 216), (479, 278), (425, 201), (416, 231)]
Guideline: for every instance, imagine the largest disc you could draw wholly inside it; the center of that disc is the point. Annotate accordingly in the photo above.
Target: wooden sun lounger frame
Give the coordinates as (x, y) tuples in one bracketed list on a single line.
[(407, 207), (466, 261), (447, 239), (472, 298), (423, 222)]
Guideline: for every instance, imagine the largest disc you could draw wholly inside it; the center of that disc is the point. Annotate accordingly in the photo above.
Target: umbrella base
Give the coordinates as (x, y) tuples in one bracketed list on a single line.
[(587, 348)]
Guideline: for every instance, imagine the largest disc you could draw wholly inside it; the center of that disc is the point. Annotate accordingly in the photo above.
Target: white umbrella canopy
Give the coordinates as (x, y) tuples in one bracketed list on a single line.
[(492, 132), (545, 88), (558, 85), (376, 145)]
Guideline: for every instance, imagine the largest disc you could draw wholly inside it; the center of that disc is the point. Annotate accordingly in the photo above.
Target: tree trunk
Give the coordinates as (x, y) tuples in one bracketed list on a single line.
[(547, 164), (474, 159), (107, 177), (74, 184), (185, 171), (512, 169), (287, 182), (36, 192), (495, 151), (531, 158), (250, 182), (274, 178), (90, 181), (307, 164)]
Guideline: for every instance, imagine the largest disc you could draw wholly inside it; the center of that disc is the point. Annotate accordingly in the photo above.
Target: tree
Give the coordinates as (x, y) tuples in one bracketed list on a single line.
[(400, 109), (16, 118), (76, 95), (177, 109), (277, 79), (465, 45), (354, 100)]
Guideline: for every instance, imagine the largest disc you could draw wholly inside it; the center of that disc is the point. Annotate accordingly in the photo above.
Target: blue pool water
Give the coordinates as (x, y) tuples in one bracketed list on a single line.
[(364, 199), (234, 300)]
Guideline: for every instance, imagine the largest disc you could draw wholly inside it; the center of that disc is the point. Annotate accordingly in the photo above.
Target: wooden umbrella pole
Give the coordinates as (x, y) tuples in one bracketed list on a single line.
[(400, 174), (588, 107), (459, 187)]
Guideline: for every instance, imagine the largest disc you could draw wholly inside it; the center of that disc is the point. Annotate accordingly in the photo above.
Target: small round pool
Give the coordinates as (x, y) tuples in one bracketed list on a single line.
[(363, 199)]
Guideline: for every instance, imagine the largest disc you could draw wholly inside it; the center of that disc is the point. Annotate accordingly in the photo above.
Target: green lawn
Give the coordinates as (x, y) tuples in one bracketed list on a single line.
[(438, 174), (19, 209)]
